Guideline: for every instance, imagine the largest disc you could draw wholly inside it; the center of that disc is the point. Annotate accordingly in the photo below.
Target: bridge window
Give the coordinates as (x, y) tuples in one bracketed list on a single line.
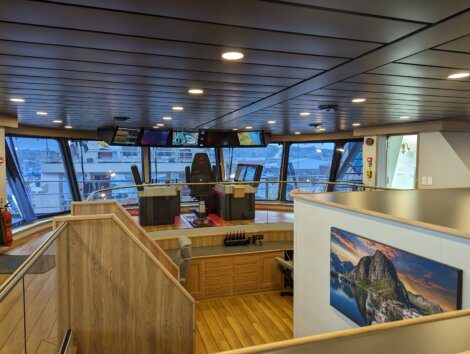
[(310, 162), (99, 165), (41, 165), (350, 166), (270, 157)]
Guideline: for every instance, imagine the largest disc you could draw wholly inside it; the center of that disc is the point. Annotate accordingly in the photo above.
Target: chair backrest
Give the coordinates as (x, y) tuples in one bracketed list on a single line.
[(183, 257), (136, 175), (201, 171)]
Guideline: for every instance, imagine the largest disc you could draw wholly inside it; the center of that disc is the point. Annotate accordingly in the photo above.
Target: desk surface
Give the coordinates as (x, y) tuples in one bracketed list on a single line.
[(441, 210), (212, 251)]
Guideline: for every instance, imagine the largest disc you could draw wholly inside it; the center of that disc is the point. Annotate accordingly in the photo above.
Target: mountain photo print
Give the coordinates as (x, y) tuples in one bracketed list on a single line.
[(373, 283)]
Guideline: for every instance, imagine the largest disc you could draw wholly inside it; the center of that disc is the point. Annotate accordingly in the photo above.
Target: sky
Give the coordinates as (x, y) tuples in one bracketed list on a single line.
[(435, 281)]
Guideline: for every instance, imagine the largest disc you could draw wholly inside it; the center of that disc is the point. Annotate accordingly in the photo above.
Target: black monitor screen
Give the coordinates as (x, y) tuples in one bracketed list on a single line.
[(250, 138), (185, 139), (126, 136), (155, 137)]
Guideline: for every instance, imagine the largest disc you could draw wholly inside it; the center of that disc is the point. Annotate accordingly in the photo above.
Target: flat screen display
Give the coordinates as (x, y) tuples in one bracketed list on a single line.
[(185, 139), (126, 136), (155, 137), (250, 139)]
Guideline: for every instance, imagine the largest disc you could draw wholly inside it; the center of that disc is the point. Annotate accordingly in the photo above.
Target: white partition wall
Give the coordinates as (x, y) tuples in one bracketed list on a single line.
[(312, 311)]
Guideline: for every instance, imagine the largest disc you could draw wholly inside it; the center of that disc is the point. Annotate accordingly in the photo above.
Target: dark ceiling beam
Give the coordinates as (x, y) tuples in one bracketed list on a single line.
[(449, 29)]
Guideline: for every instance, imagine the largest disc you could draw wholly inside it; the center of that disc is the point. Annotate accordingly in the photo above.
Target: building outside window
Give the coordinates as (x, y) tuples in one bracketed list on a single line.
[(270, 157), (168, 165), (309, 162), (41, 165), (99, 165)]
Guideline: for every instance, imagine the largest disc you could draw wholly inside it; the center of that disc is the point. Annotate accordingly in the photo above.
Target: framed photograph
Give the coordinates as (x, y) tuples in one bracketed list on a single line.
[(372, 283)]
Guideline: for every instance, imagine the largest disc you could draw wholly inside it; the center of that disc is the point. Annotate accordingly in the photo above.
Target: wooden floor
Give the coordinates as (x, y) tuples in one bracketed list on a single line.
[(243, 320)]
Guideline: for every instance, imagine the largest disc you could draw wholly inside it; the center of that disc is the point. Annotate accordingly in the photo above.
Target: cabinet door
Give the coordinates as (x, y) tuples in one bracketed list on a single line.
[(270, 274), (194, 283)]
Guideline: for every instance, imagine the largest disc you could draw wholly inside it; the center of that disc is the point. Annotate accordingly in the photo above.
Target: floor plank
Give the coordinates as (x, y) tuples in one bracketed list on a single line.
[(243, 320)]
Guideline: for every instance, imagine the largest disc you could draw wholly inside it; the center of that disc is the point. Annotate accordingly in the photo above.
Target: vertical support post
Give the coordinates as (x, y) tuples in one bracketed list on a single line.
[(3, 169)]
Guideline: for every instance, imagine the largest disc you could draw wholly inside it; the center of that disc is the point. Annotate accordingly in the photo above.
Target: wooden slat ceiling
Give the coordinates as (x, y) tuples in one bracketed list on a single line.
[(87, 61)]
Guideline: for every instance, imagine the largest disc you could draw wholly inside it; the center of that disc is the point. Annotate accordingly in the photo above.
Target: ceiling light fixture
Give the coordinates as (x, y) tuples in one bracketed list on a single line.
[(232, 55), (405, 117), (297, 133), (462, 75), (68, 127), (340, 149), (235, 129), (177, 108), (248, 127), (160, 125), (321, 129), (358, 100), (41, 113), (304, 114), (167, 118), (17, 100), (57, 121), (271, 122), (195, 91), (356, 124)]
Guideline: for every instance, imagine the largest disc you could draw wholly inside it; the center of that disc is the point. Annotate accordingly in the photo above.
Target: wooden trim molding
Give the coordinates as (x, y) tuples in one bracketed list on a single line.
[(313, 137), (53, 133), (410, 128), (8, 121)]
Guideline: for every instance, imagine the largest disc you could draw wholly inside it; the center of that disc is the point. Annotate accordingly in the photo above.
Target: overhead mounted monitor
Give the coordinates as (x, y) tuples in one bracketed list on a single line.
[(250, 139), (213, 138), (185, 138), (152, 137), (126, 136)]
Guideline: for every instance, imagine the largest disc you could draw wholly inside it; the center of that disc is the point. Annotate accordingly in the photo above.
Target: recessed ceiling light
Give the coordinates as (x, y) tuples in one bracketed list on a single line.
[(458, 75), (321, 129), (405, 117), (235, 129), (160, 125), (358, 100), (156, 127), (232, 55), (271, 122), (297, 133), (57, 121), (304, 114), (249, 127), (356, 124), (17, 100), (195, 91), (177, 108), (68, 127), (340, 149), (41, 113), (167, 118)]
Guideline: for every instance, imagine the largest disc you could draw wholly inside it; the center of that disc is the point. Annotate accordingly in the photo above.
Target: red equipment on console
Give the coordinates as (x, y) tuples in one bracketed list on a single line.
[(6, 236)]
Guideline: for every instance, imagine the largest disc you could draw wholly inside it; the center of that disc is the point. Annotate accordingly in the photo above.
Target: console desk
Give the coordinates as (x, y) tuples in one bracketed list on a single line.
[(221, 270)]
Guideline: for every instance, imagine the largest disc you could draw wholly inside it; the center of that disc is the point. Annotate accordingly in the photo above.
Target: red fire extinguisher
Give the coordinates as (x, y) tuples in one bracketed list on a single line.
[(6, 235)]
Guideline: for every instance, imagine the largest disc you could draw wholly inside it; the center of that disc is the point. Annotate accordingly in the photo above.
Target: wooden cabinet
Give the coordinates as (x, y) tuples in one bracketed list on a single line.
[(270, 275), (227, 275), (194, 282)]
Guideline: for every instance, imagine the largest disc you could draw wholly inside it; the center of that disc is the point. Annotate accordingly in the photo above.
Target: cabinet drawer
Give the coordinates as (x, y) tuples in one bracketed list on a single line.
[(218, 271), (218, 262), (218, 290), (246, 268), (244, 287), (217, 280), (248, 259), (245, 277)]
